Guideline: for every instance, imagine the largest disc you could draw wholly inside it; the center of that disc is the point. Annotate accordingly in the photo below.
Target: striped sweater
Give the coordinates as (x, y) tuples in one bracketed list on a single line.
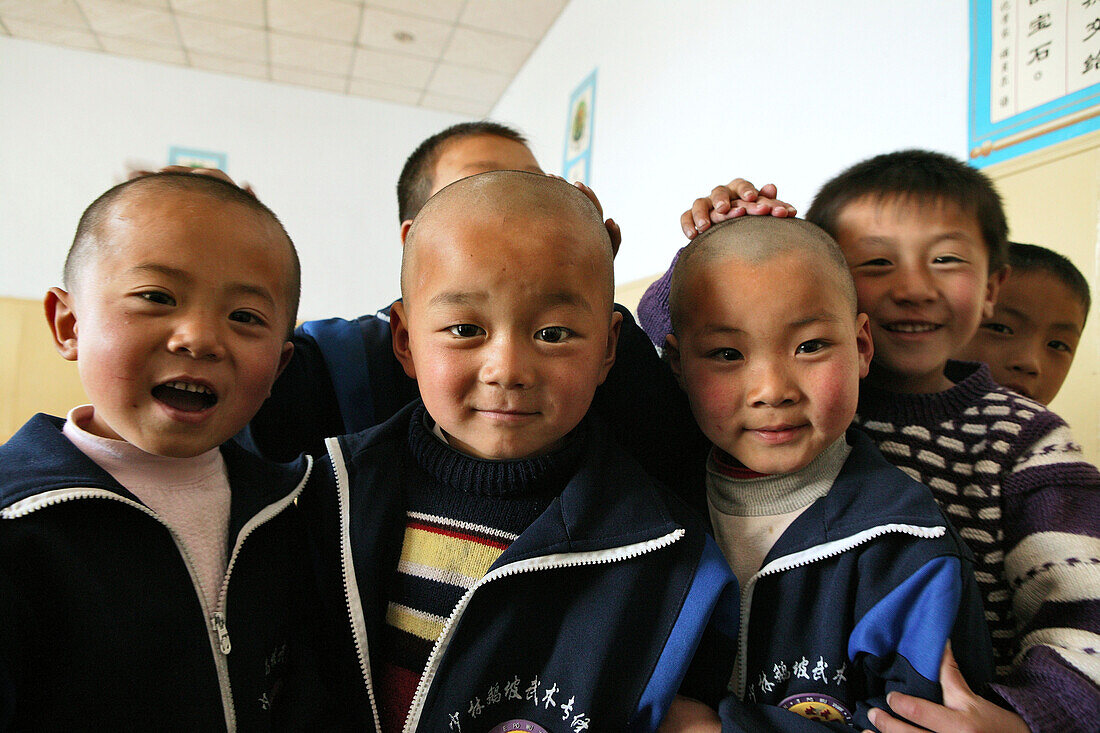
[(1009, 475), (462, 514)]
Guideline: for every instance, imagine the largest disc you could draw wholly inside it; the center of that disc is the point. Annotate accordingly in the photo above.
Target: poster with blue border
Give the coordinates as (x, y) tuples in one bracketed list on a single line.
[(576, 162), (1034, 75), (196, 158)]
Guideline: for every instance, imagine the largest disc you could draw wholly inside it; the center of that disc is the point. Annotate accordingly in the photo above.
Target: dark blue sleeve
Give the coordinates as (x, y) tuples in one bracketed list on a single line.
[(698, 656), (301, 411), (650, 417), (899, 642)]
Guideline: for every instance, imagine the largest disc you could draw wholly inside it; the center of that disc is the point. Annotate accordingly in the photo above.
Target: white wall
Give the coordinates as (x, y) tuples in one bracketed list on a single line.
[(692, 93), (326, 164)]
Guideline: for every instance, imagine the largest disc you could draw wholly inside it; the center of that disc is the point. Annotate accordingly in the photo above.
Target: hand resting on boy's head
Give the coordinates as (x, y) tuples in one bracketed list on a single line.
[(736, 198)]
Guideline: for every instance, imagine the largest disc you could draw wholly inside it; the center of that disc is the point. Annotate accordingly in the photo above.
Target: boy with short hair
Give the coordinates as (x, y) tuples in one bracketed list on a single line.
[(835, 550), (924, 236), (1030, 340), (504, 565), (151, 573)]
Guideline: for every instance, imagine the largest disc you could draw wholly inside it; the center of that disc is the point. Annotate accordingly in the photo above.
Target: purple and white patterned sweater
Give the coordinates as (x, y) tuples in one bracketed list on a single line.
[(1010, 477)]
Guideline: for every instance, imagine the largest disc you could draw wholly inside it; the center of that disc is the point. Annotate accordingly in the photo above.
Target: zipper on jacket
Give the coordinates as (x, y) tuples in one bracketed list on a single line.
[(216, 631), (543, 562), (807, 557), (352, 599)]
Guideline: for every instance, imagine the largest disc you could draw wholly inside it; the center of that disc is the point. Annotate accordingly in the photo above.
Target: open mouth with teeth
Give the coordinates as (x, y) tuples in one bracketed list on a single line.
[(185, 396), (911, 327)]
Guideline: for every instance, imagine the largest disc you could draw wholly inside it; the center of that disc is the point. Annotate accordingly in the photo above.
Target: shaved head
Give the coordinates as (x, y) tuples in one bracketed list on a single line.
[(92, 233), (511, 203), (755, 240)]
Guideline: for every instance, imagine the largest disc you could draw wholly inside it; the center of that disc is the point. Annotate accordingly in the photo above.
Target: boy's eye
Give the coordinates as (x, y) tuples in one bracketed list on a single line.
[(158, 297), (466, 330), (811, 347), (726, 355), (1060, 346), (876, 262), (997, 328), (245, 317), (947, 260), (553, 334)]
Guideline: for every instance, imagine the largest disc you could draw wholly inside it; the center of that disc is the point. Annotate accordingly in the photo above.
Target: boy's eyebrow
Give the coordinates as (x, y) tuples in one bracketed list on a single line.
[(1023, 316), (817, 318), (236, 288), (548, 299)]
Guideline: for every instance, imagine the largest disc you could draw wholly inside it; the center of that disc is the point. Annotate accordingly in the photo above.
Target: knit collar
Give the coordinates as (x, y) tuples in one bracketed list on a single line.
[(519, 477), (769, 495), (133, 468), (973, 382)]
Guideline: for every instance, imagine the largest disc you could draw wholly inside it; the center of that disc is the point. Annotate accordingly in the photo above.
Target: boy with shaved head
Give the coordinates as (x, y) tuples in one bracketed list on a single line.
[(851, 580), (153, 574), (499, 563)]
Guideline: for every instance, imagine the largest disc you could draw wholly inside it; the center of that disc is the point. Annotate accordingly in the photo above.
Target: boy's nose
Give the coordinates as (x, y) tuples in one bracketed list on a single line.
[(507, 364), (197, 337), (772, 386), (1024, 361), (913, 285)]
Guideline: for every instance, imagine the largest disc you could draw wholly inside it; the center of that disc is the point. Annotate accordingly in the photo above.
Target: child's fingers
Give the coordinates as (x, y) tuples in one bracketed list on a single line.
[(744, 190), (720, 199), (616, 235), (769, 191), (887, 723), (956, 693)]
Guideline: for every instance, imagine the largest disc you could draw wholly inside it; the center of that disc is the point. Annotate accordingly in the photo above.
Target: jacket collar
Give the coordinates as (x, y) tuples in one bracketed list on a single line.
[(39, 458), (869, 492)]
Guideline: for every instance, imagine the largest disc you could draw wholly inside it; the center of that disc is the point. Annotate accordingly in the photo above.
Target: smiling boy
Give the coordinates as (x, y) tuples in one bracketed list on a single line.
[(1030, 339), (155, 572), (846, 566), (503, 562)]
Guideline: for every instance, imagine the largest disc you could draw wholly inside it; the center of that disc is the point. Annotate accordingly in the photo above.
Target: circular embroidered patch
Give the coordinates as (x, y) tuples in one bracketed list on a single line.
[(523, 725), (816, 706)]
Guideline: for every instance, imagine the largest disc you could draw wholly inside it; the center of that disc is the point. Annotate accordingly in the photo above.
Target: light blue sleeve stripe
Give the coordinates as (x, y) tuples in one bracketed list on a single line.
[(915, 619), (713, 596), (345, 356)]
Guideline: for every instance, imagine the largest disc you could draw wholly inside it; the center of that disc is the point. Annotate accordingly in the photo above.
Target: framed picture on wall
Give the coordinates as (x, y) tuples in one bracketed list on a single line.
[(577, 158), (196, 158), (1034, 75)]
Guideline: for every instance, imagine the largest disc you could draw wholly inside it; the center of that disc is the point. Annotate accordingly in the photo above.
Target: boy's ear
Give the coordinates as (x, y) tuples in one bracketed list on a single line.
[(612, 344), (284, 357), (865, 346), (399, 331), (404, 229), (992, 288), (62, 319), (672, 351)]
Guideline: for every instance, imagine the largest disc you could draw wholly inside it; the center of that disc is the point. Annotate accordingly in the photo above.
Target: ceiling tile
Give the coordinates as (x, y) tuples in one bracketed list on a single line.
[(51, 12), (387, 92), (206, 36), (429, 37), (457, 105), (337, 21), (150, 3), (447, 10), (248, 12), (458, 81), (528, 19), (225, 65), (143, 50), (392, 68), (119, 19), (308, 53), (70, 37), (490, 51), (308, 79)]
